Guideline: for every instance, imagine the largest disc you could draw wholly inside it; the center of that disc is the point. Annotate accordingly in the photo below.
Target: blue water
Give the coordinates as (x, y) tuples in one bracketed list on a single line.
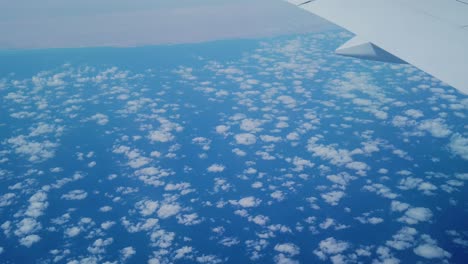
[(293, 84)]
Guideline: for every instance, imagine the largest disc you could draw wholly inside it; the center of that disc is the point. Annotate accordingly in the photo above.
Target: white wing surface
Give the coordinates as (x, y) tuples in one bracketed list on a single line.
[(429, 34)]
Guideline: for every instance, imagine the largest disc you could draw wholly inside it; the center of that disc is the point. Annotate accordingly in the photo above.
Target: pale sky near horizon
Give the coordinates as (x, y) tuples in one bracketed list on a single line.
[(88, 23)]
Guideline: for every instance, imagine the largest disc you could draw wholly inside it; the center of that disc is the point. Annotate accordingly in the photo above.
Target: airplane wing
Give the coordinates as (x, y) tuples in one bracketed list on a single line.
[(429, 34)]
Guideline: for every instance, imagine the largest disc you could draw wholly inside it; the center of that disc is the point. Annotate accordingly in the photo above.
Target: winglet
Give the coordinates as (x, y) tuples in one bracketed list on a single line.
[(362, 49)]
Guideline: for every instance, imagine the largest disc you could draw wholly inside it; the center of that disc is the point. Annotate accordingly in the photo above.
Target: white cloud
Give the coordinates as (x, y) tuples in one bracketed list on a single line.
[(27, 226), (459, 145), (36, 151), (259, 219), (138, 162), (293, 136), (239, 152), (147, 207), (462, 176), (105, 209), (278, 195), (403, 239), (127, 252), (251, 125), (75, 195), (268, 138), (106, 225), (330, 246), (357, 165), (381, 190), (301, 163), (182, 252), (414, 113), (287, 100), (222, 129), (168, 210), (216, 168), (397, 206), (436, 127), (162, 238), (188, 219), (415, 215), (100, 119), (229, 241), (333, 197), (245, 139), (7, 199), (29, 240), (337, 157), (161, 136), (287, 248), (249, 202), (99, 245), (72, 231), (430, 251)]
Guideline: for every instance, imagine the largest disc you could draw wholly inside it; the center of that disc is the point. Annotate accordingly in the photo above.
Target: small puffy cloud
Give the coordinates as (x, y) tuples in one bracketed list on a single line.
[(229, 241), (250, 201), (268, 138), (335, 156), (161, 136), (222, 129), (333, 197), (436, 127), (127, 252), (397, 206), (100, 119), (462, 176), (251, 125), (108, 224), (239, 152), (35, 151), (403, 239), (147, 207), (138, 162), (105, 209), (7, 199), (293, 136), (459, 146), (99, 245), (357, 165), (414, 113), (72, 231), (27, 226), (75, 195), (189, 219), (259, 219), (370, 220), (288, 249), (278, 195), (330, 246), (415, 215), (431, 251), (287, 100), (182, 252), (245, 139), (216, 168), (168, 210), (301, 163), (29, 240)]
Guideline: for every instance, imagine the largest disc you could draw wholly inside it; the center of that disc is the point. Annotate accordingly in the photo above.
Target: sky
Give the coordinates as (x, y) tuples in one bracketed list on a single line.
[(69, 24)]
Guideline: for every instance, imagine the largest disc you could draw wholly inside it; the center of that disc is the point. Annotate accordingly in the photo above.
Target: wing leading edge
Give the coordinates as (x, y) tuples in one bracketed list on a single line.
[(429, 34)]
